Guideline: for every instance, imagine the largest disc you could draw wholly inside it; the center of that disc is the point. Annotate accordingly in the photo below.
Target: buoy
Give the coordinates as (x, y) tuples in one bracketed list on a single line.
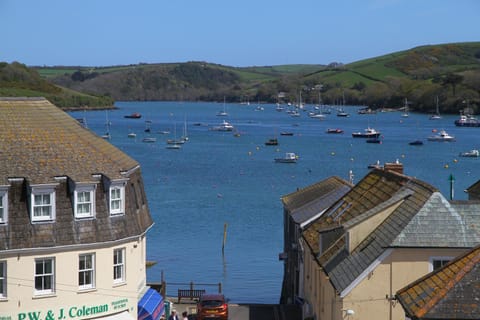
[(446, 166), (333, 153)]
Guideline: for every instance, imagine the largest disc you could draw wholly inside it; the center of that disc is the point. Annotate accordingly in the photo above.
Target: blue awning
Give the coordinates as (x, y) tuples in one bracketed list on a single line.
[(151, 306)]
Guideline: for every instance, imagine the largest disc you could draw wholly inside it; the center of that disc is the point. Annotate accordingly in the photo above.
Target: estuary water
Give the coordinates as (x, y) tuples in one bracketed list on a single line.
[(217, 179)]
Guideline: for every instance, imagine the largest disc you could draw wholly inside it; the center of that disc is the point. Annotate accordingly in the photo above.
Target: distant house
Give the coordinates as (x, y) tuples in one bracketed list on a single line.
[(386, 231), (450, 292), (73, 220)]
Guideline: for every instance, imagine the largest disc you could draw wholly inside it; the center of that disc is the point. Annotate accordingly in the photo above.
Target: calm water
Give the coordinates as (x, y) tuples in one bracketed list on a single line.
[(218, 179)]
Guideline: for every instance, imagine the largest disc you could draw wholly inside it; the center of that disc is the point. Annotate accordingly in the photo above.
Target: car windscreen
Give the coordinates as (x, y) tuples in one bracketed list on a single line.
[(212, 303)]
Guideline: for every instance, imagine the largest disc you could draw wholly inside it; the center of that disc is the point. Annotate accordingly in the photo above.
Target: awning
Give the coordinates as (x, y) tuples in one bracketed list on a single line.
[(119, 316), (151, 306)]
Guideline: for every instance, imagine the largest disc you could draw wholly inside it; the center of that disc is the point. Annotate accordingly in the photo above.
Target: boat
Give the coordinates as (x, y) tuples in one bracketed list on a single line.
[(334, 130), (366, 110), (474, 153), (272, 142), (134, 115), (286, 133), (175, 141), (290, 157), (436, 115), (148, 125), (441, 136), (149, 139), (107, 135), (132, 135), (224, 126), (317, 115), (416, 143), (222, 113), (405, 109), (367, 133), (342, 113), (467, 120), (174, 146)]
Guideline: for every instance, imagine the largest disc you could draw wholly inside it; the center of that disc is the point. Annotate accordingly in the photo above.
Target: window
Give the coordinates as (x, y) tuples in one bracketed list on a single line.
[(3, 204), (86, 271), (438, 262), (118, 265), (44, 276), (117, 196), (84, 201), (42, 203), (3, 279)]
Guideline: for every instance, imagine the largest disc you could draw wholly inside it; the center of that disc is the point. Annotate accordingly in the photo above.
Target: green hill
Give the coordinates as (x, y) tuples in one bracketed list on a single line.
[(17, 80), (450, 72)]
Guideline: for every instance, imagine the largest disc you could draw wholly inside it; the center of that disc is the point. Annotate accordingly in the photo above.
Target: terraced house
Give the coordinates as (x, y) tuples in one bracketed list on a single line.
[(73, 220), (354, 252)]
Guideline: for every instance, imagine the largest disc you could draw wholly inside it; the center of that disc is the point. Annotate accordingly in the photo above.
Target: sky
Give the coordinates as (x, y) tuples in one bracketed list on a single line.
[(236, 33)]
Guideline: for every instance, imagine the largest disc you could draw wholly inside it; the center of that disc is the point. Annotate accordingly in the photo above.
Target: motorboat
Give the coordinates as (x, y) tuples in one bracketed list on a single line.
[(271, 142), (132, 135), (474, 153), (367, 133), (224, 126), (134, 115), (416, 143), (334, 130), (441, 136), (290, 157), (286, 133), (149, 139), (467, 120), (317, 115)]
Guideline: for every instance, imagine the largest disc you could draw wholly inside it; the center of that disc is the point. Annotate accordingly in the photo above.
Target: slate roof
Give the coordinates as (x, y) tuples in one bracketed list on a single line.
[(39, 141), (376, 191), (451, 292), (307, 202), (442, 224)]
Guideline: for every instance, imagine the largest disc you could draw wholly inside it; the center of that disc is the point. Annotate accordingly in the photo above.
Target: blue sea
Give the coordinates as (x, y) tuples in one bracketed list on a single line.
[(219, 182)]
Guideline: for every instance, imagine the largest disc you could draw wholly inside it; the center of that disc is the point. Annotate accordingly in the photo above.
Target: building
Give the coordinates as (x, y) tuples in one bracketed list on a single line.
[(73, 220), (450, 292), (385, 232), (300, 209)]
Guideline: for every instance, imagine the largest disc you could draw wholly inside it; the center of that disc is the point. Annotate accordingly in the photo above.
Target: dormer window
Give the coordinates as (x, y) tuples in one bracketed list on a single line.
[(84, 201), (117, 198), (3, 204), (42, 203)]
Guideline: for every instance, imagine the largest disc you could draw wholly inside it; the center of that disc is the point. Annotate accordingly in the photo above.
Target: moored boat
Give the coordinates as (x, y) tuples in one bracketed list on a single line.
[(224, 126), (467, 120), (334, 130), (441, 136), (290, 157), (134, 115), (474, 153), (367, 133), (271, 142), (416, 143)]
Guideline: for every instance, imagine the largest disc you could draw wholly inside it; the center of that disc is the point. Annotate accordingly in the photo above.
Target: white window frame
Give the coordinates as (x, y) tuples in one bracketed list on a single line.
[(86, 271), (89, 189), (42, 190), (44, 276), (112, 202), (3, 279), (438, 258), (119, 265), (3, 204)]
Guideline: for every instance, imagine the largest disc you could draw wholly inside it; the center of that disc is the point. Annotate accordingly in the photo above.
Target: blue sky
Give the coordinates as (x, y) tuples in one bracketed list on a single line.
[(234, 33)]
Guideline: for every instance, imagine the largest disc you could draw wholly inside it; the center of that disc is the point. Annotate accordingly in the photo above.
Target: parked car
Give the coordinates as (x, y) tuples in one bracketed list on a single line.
[(212, 306)]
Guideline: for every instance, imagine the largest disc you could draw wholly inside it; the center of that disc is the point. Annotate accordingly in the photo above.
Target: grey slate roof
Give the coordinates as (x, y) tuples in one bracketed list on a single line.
[(307, 202), (441, 224)]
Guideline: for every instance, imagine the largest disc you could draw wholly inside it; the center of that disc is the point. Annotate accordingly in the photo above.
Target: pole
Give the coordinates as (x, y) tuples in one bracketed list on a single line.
[(452, 180), (224, 237)]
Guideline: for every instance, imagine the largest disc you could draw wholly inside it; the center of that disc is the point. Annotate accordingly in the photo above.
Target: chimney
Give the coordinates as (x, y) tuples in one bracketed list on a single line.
[(396, 166)]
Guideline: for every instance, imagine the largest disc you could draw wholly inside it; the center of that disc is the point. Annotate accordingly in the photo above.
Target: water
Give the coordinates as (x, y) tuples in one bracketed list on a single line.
[(218, 179)]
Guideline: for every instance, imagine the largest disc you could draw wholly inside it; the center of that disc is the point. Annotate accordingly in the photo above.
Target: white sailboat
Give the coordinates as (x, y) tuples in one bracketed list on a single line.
[(405, 109), (224, 112), (174, 143), (107, 135), (437, 115)]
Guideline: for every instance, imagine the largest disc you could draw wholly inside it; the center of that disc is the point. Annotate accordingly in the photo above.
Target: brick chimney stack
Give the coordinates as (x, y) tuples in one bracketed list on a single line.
[(394, 166)]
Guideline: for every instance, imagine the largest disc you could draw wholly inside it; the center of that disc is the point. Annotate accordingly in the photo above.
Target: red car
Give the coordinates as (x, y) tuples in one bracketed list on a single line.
[(212, 306)]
